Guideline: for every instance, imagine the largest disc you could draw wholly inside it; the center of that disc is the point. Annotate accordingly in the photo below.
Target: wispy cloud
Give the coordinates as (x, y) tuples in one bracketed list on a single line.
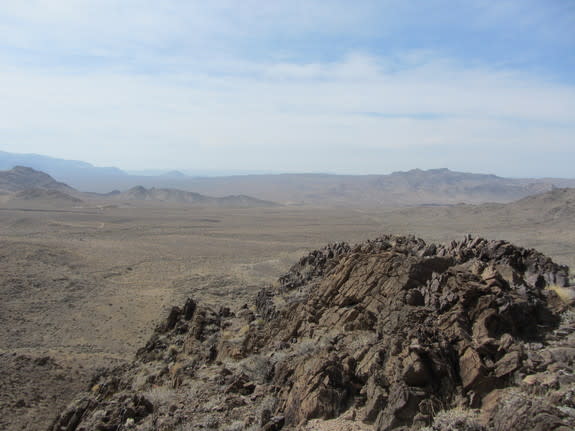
[(354, 89)]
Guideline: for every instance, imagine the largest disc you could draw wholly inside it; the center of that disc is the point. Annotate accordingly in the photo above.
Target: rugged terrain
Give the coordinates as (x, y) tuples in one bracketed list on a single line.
[(22, 178), (82, 285), (387, 334), (27, 187)]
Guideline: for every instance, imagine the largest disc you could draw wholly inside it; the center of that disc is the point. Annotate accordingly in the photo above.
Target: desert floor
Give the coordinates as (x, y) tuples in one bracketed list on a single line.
[(82, 288)]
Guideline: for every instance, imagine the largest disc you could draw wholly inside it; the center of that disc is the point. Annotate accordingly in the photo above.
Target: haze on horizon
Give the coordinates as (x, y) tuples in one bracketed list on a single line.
[(292, 86)]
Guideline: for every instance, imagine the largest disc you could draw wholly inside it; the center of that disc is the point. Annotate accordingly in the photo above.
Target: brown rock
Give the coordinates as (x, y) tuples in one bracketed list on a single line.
[(507, 364), (471, 368), (416, 372)]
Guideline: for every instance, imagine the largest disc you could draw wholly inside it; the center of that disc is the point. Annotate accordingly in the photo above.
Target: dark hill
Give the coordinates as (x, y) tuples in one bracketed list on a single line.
[(555, 204), (388, 334), (21, 178), (48, 196)]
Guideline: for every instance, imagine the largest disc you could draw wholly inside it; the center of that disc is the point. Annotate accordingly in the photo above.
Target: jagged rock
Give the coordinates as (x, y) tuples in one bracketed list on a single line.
[(241, 384), (393, 330), (471, 368), (515, 411), (507, 364), (189, 309), (276, 423)]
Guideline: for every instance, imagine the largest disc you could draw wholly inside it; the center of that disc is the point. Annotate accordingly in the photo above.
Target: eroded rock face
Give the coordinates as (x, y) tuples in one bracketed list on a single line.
[(386, 333)]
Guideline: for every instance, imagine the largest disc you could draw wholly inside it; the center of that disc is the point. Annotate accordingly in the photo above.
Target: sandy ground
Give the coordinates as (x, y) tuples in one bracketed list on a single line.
[(82, 288)]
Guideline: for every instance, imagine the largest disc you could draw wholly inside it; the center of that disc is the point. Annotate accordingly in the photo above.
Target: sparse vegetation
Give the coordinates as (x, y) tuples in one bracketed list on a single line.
[(457, 419), (566, 294), (159, 396), (257, 367)]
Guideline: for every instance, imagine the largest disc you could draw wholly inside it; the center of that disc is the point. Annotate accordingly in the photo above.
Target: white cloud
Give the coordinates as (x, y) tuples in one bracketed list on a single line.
[(306, 108), (136, 83)]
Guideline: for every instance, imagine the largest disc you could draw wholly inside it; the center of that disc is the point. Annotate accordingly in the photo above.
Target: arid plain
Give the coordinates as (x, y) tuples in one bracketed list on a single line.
[(81, 288)]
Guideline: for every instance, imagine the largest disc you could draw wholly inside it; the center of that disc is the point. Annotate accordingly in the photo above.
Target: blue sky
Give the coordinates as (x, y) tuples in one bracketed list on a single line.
[(292, 86)]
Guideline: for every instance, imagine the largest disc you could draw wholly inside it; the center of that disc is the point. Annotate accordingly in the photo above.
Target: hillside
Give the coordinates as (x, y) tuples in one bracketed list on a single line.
[(388, 334), (554, 207), (52, 197), (21, 178), (557, 204), (27, 185), (444, 185), (28, 188)]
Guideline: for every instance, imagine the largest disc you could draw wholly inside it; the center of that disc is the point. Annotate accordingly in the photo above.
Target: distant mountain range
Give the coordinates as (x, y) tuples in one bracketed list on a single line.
[(176, 196), (60, 168), (26, 185), (411, 188), (22, 178)]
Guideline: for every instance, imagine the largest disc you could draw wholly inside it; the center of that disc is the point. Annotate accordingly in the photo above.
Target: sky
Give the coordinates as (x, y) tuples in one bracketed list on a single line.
[(292, 86)]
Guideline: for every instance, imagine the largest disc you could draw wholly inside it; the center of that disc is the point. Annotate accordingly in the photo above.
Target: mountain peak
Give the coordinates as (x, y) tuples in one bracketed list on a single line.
[(23, 177)]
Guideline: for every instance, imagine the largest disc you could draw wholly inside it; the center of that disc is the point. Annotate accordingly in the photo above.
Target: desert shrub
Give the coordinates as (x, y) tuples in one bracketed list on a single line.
[(308, 346), (140, 381), (566, 294), (457, 419), (159, 396), (185, 427), (257, 367), (234, 426), (568, 317)]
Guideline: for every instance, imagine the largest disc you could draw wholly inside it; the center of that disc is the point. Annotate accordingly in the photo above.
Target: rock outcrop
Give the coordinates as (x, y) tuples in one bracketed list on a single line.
[(389, 334)]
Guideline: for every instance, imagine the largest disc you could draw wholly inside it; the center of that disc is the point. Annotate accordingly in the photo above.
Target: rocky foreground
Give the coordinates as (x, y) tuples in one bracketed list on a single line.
[(389, 334)]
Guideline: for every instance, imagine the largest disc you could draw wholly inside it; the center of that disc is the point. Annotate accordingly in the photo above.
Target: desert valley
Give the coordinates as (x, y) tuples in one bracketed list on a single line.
[(287, 215), (87, 279)]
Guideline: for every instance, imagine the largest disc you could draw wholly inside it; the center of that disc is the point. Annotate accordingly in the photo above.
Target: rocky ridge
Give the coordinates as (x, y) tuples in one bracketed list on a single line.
[(393, 333), (22, 178)]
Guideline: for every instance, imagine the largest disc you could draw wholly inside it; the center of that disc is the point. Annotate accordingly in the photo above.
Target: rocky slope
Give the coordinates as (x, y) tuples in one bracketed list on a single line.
[(556, 204), (389, 334), (22, 186), (43, 195), (22, 178)]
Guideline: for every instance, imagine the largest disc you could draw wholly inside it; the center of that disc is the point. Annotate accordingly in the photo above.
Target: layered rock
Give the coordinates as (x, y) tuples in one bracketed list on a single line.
[(382, 335)]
